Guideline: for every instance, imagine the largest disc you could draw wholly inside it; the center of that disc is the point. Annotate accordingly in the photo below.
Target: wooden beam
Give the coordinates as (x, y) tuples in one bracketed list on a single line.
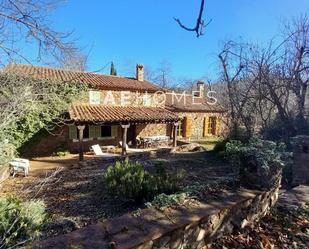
[(175, 126), (124, 138), (80, 138)]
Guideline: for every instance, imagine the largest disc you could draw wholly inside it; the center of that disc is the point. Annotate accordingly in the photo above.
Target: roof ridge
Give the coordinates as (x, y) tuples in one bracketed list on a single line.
[(91, 78), (76, 71)]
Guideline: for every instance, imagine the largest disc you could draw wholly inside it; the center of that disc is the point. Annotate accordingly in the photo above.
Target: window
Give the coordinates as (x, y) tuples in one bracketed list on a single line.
[(180, 130), (86, 132), (212, 123), (106, 131)]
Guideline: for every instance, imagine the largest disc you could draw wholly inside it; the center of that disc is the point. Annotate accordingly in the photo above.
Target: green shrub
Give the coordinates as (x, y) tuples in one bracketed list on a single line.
[(258, 161), (163, 200), (165, 182), (126, 179), (131, 181), (7, 152), (62, 150), (220, 145), (19, 221)]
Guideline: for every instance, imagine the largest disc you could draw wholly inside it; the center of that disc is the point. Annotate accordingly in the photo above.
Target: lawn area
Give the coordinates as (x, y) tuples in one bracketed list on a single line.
[(77, 195), (209, 143)]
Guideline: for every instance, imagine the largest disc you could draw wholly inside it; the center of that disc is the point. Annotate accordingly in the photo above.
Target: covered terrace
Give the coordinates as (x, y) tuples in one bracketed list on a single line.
[(82, 114)]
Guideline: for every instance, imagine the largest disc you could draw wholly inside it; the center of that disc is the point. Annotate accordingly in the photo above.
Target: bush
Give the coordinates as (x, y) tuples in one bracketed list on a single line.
[(220, 145), (7, 152), (259, 161), (164, 182), (131, 181), (126, 179), (19, 221), (163, 200), (62, 150)]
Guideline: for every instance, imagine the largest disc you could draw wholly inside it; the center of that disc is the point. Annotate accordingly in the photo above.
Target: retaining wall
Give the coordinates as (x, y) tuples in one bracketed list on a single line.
[(190, 226)]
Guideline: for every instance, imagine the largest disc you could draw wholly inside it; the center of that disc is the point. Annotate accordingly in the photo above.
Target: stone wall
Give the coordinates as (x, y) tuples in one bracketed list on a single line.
[(197, 131), (131, 98), (190, 226), (47, 143), (152, 130)]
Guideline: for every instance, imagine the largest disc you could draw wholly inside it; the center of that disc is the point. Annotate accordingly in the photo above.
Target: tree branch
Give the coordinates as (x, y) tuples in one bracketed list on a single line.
[(200, 24)]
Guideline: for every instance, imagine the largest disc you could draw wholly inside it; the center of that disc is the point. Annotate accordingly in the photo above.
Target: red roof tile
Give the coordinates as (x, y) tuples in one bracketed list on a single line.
[(80, 112), (99, 81)]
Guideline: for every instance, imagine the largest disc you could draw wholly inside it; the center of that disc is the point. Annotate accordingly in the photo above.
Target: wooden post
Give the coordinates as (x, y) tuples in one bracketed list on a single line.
[(124, 138), (175, 126), (80, 138), (134, 142)]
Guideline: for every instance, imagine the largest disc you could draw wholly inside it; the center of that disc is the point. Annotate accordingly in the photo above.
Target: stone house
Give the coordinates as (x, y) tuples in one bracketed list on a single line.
[(121, 108)]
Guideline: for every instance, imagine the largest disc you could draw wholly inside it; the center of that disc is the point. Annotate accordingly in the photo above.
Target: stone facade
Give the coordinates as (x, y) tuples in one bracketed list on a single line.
[(131, 98), (198, 124), (152, 130), (48, 144), (180, 228)]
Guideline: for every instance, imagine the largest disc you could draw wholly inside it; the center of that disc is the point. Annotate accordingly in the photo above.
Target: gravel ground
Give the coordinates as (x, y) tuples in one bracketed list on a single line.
[(76, 196)]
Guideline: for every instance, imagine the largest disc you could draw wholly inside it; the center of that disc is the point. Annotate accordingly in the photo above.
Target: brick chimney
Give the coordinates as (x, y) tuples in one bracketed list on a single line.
[(200, 85), (140, 72)]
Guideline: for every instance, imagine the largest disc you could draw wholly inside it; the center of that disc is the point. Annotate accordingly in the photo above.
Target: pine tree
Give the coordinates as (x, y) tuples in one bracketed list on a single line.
[(113, 69)]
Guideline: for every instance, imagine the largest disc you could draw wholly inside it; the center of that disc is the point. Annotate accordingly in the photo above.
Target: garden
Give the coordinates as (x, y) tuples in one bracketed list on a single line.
[(76, 195)]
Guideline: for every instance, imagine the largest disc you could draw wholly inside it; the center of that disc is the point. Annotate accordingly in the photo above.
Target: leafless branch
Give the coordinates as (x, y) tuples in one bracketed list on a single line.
[(200, 23)]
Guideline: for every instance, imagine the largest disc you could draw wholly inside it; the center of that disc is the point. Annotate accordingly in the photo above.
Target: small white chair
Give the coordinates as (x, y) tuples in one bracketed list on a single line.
[(20, 165)]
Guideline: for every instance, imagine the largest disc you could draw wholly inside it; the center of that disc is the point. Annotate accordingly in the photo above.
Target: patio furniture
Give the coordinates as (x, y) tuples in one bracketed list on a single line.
[(109, 148), (131, 149), (155, 140), (99, 153), (19, 165)]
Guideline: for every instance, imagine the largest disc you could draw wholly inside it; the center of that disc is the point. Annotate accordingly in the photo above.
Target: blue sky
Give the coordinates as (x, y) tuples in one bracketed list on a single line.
[(143, 31)]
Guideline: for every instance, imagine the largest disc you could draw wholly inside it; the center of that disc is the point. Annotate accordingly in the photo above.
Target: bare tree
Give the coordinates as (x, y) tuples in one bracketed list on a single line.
[(26, 21), (74, 61), (234, 62), (263, 84), (297, 64)]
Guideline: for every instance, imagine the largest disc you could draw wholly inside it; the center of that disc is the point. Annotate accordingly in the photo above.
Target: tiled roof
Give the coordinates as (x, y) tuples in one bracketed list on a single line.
[(99, 81), (80, 112), (176, 103)]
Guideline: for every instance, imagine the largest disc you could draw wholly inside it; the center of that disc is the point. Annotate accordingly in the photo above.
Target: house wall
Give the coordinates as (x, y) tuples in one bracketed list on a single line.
[(48, 144), (197, 126), (129, 98), (152, 130)]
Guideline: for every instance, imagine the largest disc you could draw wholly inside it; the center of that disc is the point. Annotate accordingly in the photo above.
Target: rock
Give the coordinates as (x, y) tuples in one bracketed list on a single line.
[(61, 225), (176, 240), (192, 147)]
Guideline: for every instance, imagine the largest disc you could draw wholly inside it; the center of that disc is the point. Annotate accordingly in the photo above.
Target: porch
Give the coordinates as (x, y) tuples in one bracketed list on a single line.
[(119, 125)]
